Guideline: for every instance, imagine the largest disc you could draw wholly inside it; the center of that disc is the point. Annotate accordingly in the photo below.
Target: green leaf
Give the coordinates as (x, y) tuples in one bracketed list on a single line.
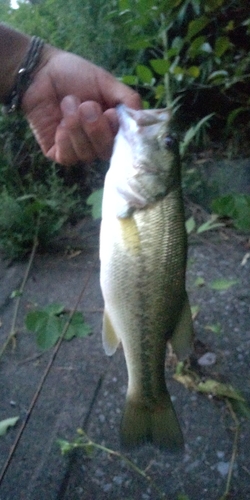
[(224, 205), (177, 43), (222, 284), (190, 225), (140, 44), (241, 407), (219, 390), (189, 135), (160, 91), (54, 309), (194, 311), (49, 332), (199, 281), (49, 323), (218, 75), (65, 446), (15, 294), (160, 66), (197, 25), (195, 46), (35, 320), (193, 71), (144, 73), (233, 115), (5, 424), (129, 80), (222, 44), (95, 200), (177, 70), (77, 327), (124, 5), (216, 328), (209, 225), (211, 5), (46, 326), (192, 132)]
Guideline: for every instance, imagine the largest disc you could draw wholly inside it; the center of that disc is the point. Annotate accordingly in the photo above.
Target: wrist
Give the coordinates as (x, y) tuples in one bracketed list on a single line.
[(13, 47), (25, 75)]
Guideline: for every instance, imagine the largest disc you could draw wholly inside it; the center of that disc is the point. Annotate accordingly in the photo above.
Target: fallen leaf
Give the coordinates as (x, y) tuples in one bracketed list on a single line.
[(245, 259), (214, 328), (199, 281), (195, 311), (222, 284), (219, 390), (5, 424)]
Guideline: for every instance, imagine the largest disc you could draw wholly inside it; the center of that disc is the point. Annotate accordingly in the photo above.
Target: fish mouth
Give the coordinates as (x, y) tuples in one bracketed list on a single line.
[(142, 117)]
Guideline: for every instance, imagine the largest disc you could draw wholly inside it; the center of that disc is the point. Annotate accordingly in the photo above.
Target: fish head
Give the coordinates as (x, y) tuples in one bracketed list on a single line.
[(145, 161)]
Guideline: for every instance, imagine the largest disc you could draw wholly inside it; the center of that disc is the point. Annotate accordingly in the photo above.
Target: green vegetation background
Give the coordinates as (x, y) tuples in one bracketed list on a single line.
[(188, 54)]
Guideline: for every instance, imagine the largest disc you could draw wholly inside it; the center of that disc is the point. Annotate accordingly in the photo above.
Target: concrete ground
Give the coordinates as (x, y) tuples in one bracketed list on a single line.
[(76, 386)]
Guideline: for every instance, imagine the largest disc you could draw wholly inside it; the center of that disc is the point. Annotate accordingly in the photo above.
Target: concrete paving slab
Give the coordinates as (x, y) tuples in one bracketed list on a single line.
[(86, 389)]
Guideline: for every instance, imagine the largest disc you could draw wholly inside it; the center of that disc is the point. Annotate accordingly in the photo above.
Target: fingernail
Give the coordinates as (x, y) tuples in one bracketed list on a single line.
[(69, 105), (89, 113)]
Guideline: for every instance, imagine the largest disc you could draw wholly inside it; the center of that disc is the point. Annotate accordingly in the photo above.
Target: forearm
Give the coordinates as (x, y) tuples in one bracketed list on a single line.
[(13, 47)]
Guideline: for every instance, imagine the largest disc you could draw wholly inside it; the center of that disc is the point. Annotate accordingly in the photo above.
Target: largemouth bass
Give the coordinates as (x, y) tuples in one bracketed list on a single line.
[(143, 249)]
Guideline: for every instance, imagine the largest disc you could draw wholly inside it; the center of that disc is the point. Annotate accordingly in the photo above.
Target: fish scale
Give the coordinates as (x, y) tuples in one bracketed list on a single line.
[(143, 262)]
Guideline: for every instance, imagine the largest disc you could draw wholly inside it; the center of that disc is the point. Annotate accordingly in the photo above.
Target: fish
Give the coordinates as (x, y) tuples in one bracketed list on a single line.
[(143, 255)]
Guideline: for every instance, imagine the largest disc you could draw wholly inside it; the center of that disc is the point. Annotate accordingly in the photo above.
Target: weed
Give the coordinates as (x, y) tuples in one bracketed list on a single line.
[(84, 442), (49, 323), (40, 212), (236, 207)]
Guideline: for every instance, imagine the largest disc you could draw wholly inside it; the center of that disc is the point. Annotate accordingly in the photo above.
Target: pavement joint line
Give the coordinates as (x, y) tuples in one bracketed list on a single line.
[(44, 377), (74, 454)]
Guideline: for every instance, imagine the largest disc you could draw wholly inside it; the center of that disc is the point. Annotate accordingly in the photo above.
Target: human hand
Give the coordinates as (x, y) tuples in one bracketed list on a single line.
[(70, 106)]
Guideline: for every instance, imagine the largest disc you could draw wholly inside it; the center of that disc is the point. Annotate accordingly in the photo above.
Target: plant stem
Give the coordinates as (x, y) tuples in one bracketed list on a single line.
[(12, 332), (234, 452), (167, 83), (89, 443)]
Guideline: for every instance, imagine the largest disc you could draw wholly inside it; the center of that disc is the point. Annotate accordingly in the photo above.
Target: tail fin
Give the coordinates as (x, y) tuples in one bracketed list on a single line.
[(159, 426)]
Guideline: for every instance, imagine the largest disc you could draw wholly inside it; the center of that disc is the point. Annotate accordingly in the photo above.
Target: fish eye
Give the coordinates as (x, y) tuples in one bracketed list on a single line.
[(169, 141)]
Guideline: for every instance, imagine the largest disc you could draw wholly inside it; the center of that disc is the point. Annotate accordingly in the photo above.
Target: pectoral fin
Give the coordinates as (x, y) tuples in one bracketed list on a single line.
[(109, 338), (130, 237), (183, 335)]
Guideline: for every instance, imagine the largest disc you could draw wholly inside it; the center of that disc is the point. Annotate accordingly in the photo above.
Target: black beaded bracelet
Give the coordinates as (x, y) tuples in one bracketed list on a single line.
[(24, 76)]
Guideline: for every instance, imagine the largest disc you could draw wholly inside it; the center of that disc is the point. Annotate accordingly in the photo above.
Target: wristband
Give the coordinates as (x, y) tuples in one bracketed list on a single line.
[(24, 76)]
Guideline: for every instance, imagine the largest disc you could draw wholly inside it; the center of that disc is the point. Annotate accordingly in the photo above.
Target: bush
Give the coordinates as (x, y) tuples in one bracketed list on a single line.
[(236, 207), (191, 53), (38, 214)]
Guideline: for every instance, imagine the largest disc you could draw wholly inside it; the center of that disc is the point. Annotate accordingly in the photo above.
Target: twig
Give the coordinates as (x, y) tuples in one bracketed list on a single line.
[(246, 469), (20, 292), (91, 444), (43, 379), (234, 452), (32, 358)]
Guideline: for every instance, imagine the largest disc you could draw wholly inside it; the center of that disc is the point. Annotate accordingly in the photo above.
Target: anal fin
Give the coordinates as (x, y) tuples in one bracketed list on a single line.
[(183, 336), (109, 338)]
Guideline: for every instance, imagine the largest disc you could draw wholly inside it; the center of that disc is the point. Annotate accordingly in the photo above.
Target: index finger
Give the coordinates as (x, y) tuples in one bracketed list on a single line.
[(114, 92)]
